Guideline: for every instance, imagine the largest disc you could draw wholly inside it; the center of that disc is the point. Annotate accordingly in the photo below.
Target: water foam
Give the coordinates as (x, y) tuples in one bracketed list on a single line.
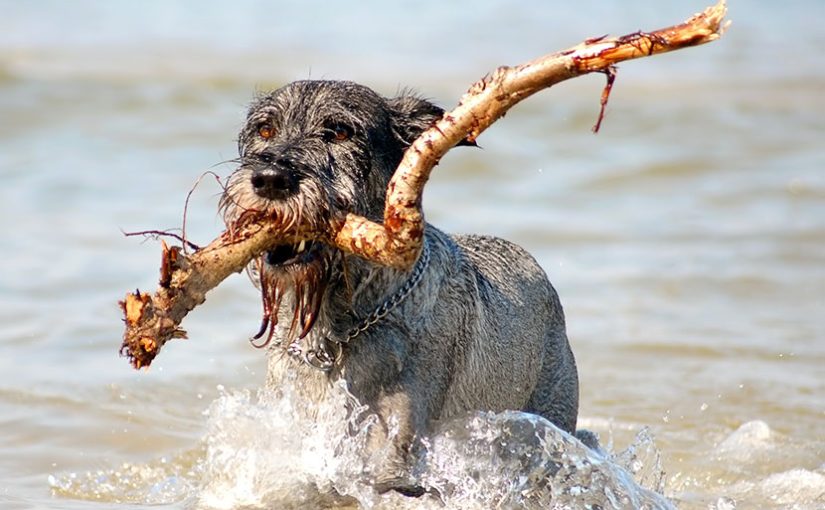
[(753, 445), (163, 482), (260, 454), (518, 460), (264, 449), (261, 448)]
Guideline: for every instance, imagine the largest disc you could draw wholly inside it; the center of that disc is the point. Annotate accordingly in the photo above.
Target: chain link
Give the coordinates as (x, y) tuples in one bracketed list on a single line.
[(392, 302), (326, 353)]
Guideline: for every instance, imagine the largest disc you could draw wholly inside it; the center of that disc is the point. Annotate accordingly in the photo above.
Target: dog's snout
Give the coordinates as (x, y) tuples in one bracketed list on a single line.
[(274, 183)]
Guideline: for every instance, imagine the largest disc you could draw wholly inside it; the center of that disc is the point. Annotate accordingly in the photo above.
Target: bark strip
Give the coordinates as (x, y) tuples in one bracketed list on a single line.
[(151, 320)]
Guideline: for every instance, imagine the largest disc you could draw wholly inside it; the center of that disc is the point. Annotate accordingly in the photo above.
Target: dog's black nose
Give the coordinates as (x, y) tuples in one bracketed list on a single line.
[(274, 182)]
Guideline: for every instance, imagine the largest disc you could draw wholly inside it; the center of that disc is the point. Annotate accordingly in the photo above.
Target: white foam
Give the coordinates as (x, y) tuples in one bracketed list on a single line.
[(260, 452), (266, 450), (797, 486), (751, 439)]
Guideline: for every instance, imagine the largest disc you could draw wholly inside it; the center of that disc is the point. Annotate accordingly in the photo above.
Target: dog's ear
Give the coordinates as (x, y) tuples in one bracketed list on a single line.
[(411, 115)]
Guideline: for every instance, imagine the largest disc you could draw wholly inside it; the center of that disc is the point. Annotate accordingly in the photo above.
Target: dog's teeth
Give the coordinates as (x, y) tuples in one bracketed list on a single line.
[(301, 246)]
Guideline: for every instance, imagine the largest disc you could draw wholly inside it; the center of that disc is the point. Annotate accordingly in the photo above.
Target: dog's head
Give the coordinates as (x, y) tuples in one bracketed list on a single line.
[(313, 151)]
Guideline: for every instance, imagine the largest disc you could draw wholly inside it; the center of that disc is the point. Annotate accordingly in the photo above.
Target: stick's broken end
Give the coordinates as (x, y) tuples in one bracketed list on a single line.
[(138, 346), (713, 17)]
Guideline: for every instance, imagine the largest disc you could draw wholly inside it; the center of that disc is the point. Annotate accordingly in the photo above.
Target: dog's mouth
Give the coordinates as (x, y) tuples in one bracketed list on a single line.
[(286, 255), (303, 267)]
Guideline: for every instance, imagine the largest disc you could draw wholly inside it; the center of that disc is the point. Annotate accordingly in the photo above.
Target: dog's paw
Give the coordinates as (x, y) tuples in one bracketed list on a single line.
[(402, 485), (590, 439)]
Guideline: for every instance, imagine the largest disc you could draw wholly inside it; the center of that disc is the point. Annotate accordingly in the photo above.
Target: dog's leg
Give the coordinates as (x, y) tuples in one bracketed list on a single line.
[(408, 412), (556, 395), (399, 422)]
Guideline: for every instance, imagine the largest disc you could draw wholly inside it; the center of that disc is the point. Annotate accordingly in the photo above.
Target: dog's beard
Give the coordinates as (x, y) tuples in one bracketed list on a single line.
[(298, 273)]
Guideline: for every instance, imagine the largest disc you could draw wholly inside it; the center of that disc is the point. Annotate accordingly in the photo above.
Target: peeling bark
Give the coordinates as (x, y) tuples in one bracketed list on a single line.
[(151, 320)]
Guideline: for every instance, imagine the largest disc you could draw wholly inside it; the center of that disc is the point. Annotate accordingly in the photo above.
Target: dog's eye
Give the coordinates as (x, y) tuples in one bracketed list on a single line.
[(337, 132), (266, 131)]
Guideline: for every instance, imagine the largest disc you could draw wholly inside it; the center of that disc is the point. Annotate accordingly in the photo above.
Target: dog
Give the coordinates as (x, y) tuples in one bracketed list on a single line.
[(475, 325)]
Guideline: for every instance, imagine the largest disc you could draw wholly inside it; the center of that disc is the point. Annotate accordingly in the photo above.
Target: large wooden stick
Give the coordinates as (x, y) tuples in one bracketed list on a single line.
[(151, 320), (398, 241)]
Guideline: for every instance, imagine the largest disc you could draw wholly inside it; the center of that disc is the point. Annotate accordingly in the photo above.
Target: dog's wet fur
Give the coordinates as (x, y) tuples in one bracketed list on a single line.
[(483, 330)]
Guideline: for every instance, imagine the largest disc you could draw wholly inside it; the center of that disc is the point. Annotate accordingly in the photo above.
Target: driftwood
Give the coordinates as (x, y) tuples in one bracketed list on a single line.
[(185, 279)]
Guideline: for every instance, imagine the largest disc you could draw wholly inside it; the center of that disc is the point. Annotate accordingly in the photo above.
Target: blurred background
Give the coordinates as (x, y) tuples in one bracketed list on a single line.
[(686, 239)]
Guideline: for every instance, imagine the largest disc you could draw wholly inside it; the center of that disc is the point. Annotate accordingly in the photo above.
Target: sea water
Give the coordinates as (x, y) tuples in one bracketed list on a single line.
[(685, 240)]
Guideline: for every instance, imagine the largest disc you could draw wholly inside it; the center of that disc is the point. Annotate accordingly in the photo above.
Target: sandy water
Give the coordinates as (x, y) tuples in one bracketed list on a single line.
[(687, 241)]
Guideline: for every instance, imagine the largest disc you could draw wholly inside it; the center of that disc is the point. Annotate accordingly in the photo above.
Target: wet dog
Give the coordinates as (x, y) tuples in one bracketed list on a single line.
[(475, 325)]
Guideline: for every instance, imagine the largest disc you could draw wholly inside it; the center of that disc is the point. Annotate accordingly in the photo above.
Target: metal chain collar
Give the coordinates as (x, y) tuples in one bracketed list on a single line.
[(325, 352), (392, 302)]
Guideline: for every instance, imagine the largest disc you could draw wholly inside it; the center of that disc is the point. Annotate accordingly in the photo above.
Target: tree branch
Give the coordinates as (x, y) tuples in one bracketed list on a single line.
[(185, 279), (398, 241), (152, 320)]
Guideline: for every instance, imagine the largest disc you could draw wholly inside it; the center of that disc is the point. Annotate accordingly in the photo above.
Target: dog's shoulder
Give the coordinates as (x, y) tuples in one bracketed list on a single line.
[(498, 263), (490, 253)]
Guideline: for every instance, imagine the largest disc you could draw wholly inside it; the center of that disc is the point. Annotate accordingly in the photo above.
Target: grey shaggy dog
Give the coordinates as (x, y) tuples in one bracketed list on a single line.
[(475, 325)]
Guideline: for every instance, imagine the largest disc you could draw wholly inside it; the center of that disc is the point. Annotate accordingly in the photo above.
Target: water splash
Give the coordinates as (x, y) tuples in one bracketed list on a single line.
[(163, 482), (644, 461), (266, 448), (519, 460), (271, 449)]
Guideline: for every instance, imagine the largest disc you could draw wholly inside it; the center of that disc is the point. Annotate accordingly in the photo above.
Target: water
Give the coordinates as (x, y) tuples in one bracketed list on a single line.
[(687, 241), (256, 453)]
